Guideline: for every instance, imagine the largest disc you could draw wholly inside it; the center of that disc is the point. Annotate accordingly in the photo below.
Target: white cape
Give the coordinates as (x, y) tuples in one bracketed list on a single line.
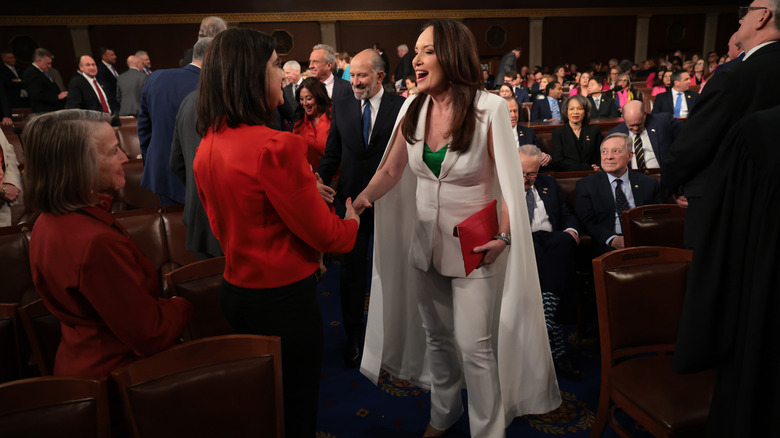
[(395, 338)]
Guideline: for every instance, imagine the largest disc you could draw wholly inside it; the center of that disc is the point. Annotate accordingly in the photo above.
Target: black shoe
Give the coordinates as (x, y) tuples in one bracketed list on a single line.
[(352, 352), (565, 368)]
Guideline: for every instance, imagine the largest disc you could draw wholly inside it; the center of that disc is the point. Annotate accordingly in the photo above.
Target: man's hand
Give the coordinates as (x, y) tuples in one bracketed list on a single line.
[(681, 201), (574, 235), (326, 192), (546, 158), (6, 121), (618, 243), (62, 95)]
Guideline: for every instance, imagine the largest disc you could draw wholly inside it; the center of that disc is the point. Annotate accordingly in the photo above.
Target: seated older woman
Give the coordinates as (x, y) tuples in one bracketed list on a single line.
[(624, 92), (575, 145), (90, 274)]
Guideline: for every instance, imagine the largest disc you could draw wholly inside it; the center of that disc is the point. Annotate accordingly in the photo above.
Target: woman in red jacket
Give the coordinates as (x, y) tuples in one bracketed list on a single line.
[(263, 205), (90, 274), (313, 114)]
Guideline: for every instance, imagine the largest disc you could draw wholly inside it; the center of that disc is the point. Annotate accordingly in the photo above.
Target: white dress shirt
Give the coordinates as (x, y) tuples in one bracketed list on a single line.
[(328, 83), (651, 161), (629, 196), (374, 102)]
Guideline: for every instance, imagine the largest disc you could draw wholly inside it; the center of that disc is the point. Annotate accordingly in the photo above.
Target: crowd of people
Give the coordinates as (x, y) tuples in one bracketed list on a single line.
[(276, 166)]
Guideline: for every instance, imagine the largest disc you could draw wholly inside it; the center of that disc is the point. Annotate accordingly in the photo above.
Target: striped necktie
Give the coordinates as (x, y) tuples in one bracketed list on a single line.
[(639, 153)]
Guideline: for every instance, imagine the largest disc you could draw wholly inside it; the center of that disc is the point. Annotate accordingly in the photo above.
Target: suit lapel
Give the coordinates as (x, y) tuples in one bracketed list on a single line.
[(654, 142), (637, 189), (381, 117), (606, 191), (543, 191)]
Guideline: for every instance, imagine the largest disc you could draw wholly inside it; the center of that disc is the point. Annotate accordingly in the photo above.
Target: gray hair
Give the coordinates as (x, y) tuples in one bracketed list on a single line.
[(403, 47), (625, 76), (330, 52), (41, 53), (531, 150), (774, 5), (377, 64), (141, 53), (626, 139), (293, 65), (211, 27), (61, 160), (199, 49)]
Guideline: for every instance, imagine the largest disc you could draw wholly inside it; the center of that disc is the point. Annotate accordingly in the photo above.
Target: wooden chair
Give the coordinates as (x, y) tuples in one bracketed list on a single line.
[(654, 225), (10, 364), (639, 295), (44, 334), (128, 140), (525, 109), (132, 195), (55, 406), (225, 385), (199, 283)]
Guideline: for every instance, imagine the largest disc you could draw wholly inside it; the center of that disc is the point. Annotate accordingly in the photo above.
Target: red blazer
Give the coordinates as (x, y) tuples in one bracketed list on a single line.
[(315, 136), (264, 208), (93, 277)]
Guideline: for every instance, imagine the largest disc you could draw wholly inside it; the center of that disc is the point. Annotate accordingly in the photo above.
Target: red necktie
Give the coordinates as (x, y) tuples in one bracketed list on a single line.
[(100, 95)]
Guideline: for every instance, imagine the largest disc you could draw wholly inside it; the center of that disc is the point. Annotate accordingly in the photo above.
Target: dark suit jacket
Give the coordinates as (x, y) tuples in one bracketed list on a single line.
[(526, 135), (287, 110), (5, 105), (664, 102), (508, 62), (729, 96), (160, 100), (521, 95), (661, 128), (12, 89), (404, 68), (594, 202), (559, 215), (128, 91), (200, 238), (541, 111), (571, 153), (607, 108), (81, 95), (341, 88), (42, 91), (108, 80), (345, 146), (386, 60)]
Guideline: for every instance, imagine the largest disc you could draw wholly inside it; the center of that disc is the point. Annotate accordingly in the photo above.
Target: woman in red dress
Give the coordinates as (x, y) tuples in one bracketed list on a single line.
[(313, 114)]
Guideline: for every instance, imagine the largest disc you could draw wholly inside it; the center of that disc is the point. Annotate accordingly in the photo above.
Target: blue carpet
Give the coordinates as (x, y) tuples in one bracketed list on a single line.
[(351, 406)]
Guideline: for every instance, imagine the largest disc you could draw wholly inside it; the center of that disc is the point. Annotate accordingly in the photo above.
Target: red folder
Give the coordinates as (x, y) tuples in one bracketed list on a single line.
[(477, 230)]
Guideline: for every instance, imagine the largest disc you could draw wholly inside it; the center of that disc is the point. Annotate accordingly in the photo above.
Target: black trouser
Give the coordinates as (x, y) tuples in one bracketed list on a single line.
[(354, 284), (292, 313)]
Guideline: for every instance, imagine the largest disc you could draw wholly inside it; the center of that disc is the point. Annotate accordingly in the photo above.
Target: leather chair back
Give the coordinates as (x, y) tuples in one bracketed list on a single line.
[(654, 225), (43, 333), (226, 385), (55, 406)]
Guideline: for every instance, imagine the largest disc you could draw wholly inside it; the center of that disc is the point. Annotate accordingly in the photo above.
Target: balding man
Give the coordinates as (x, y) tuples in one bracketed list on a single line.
[(86, 92), (321, 62), (209, 28), (651, 135), (360, 128), (730, 96), (129, 86), (45, 95), (146, 63), (404, 69)]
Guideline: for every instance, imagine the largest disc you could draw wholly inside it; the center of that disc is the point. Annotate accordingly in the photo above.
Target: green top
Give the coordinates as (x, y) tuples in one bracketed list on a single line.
[(434, 159)]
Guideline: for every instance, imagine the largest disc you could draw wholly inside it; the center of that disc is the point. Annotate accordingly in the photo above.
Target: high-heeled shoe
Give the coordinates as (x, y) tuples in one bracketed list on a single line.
[(432, 432)]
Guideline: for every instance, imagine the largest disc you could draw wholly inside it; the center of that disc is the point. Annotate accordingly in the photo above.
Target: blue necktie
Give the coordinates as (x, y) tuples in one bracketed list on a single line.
[(47, 76), (530, 201), (366, 121), (556, 111), (678, 106)]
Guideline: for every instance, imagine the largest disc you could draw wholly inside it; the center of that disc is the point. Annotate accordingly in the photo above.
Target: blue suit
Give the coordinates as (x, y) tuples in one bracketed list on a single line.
[(160, 100), (661, 128), (664, 102), (526, 136), (594, 204), (541, 110)]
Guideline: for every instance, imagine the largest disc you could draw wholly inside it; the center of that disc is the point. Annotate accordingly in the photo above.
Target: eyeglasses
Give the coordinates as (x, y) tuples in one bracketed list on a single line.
[(743, 10)]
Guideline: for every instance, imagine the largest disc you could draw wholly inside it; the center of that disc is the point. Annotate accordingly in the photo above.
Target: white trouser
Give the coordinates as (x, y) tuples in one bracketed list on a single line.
[(457, 316)]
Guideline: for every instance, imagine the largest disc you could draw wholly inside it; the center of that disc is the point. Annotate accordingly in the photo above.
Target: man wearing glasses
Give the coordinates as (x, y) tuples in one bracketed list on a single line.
[(729, 317)]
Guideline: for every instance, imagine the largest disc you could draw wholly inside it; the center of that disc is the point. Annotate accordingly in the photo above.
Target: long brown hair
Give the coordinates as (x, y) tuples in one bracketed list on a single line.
[(456, 51), (232, 81), (320, 95)]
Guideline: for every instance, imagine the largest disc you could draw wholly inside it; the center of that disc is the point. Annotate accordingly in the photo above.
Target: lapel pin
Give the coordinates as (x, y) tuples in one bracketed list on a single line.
[(653, 129), (587, 138), (636, 186)]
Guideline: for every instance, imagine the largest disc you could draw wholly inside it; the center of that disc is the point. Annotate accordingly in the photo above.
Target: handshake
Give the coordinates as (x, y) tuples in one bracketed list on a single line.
[(353, 209)]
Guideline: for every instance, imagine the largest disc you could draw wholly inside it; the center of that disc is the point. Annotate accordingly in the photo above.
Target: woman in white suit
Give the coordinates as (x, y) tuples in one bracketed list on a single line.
[(453, 152)]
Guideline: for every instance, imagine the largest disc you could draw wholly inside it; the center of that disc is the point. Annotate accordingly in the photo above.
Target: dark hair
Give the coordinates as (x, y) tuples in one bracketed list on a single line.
[(583, 101), (320, 94), (598, 80), (511, 73), (103, 50), (550, 86), (456, 51), (412, 78), (232, 81), (658, 80), (677, 75)]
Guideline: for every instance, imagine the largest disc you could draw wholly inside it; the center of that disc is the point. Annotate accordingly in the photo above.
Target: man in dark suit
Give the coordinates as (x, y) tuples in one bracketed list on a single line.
[(107, 74), (678, 100), (160, 100), (508, 62), (358, 159), (600, 198), (602, 105), (548, 108), (321, 63), (129, 87), (378, 48), (200, 238), (404, 68), (292, 71), (85, 92), (555, 237), (730, 96), (12, 81), (651, 134), (524, 135), (45, 95)]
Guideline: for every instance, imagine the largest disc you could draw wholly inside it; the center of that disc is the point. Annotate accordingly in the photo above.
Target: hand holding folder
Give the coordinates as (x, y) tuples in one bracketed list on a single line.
[(476, 230)]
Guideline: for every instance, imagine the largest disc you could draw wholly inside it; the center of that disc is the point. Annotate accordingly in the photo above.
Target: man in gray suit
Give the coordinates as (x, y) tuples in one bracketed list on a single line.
[(200, 238), (508, 62), (129, 86)]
